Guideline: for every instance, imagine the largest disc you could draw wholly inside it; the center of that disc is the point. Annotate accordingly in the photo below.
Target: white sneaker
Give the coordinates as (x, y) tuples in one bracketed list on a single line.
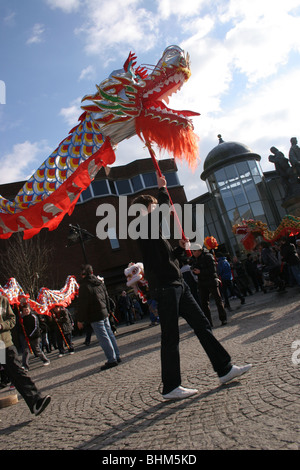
[(235, 371), (179, 393)]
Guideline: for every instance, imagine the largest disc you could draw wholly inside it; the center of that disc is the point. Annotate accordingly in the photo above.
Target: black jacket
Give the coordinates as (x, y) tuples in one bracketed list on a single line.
[(160, 261), (206, 263), (93, 300), (31, 325), (64, 320), (125, 303), (289, 254)]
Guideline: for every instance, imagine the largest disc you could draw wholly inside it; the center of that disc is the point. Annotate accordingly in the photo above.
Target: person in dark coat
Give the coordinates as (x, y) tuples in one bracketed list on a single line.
[(64, 328), (205, 267), (225, 274), (126, 307), (271, 265), (191, 279), (240, 276), (93, 308), (253, 272), (30, 337), (290, 256)]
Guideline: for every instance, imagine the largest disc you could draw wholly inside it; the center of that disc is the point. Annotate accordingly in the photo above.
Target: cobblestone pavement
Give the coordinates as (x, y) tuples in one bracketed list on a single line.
[(122, 408)]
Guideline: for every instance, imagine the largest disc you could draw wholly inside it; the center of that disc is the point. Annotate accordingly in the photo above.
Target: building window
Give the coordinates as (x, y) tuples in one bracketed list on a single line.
[(245, 212), (257, 209), (239, 194), (243, 169), (254, 168), (112, 187), (227, 198), (231, 172), (220, 177), (123, 187), (100, 187), (114, 242), (150, 180), (251, 190), (172, 179), (85, 195), (137, 183)]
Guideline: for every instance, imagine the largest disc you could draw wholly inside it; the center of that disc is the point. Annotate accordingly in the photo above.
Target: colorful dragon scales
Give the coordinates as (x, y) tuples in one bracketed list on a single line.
[(251, 229), (130, 101)]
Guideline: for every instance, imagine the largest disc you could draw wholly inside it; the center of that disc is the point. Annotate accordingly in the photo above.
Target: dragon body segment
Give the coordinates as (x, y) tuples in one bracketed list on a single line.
[(130, 101), (82, 142), (251, 229)]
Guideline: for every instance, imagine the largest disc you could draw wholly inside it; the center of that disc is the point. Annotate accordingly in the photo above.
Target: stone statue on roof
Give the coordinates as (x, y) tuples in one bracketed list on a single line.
[(284, 169), (294, 156)]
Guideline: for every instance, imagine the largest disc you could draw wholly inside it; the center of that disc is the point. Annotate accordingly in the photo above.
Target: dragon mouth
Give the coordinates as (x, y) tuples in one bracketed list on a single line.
[(169, 129), (156, 99)]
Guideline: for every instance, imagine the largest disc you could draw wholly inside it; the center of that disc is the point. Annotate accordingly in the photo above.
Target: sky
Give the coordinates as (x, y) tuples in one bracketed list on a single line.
[(245, 63)]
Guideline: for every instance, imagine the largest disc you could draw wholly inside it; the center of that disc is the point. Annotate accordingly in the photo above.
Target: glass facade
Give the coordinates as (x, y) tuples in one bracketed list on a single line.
[(239, 192)]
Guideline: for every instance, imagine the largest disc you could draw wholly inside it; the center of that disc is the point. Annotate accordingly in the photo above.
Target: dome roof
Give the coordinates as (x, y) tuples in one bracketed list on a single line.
[(225, 154)]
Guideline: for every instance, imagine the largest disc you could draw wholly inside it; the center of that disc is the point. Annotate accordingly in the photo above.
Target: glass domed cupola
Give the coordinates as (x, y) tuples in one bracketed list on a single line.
[(235, 180)]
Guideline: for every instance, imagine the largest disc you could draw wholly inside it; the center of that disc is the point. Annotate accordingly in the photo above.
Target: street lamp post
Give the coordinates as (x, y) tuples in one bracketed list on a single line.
[(79, 235)]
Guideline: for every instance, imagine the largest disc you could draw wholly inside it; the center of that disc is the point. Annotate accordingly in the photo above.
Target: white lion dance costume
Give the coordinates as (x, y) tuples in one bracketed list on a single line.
[(135, 279)]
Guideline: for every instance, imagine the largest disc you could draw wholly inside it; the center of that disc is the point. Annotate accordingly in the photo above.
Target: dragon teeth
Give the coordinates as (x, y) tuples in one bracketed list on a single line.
[(177, 78)]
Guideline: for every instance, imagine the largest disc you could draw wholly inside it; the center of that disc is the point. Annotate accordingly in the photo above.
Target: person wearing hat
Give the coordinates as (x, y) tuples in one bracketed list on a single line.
[(208, 282), (174, 298)]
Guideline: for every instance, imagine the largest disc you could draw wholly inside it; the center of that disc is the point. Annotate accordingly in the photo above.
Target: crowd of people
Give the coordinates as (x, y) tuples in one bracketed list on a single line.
[(216, 275), (177, 286)]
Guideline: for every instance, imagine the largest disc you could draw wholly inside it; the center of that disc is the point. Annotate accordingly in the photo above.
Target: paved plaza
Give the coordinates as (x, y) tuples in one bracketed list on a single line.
[(122, 408)]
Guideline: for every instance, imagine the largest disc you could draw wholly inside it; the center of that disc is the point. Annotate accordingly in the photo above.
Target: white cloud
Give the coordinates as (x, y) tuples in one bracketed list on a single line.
[(269, 114), (188, 8), (36, 34), (87, 73), (19, 162), (9, 19), (67, 6), (262, 36), (72, 112), (117, 25)]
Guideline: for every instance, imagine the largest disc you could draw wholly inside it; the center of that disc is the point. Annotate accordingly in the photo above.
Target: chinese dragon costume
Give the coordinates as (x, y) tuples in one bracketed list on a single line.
[(46, 298), (132, 100), (254, 229)]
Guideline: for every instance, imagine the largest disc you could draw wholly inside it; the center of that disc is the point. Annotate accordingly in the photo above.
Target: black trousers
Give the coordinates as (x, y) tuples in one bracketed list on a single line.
[(174, 301), (19, 378), (205, 292), (227, 284)]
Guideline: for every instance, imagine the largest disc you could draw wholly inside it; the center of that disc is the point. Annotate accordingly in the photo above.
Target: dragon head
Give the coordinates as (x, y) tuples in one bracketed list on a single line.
[(132, 101)]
